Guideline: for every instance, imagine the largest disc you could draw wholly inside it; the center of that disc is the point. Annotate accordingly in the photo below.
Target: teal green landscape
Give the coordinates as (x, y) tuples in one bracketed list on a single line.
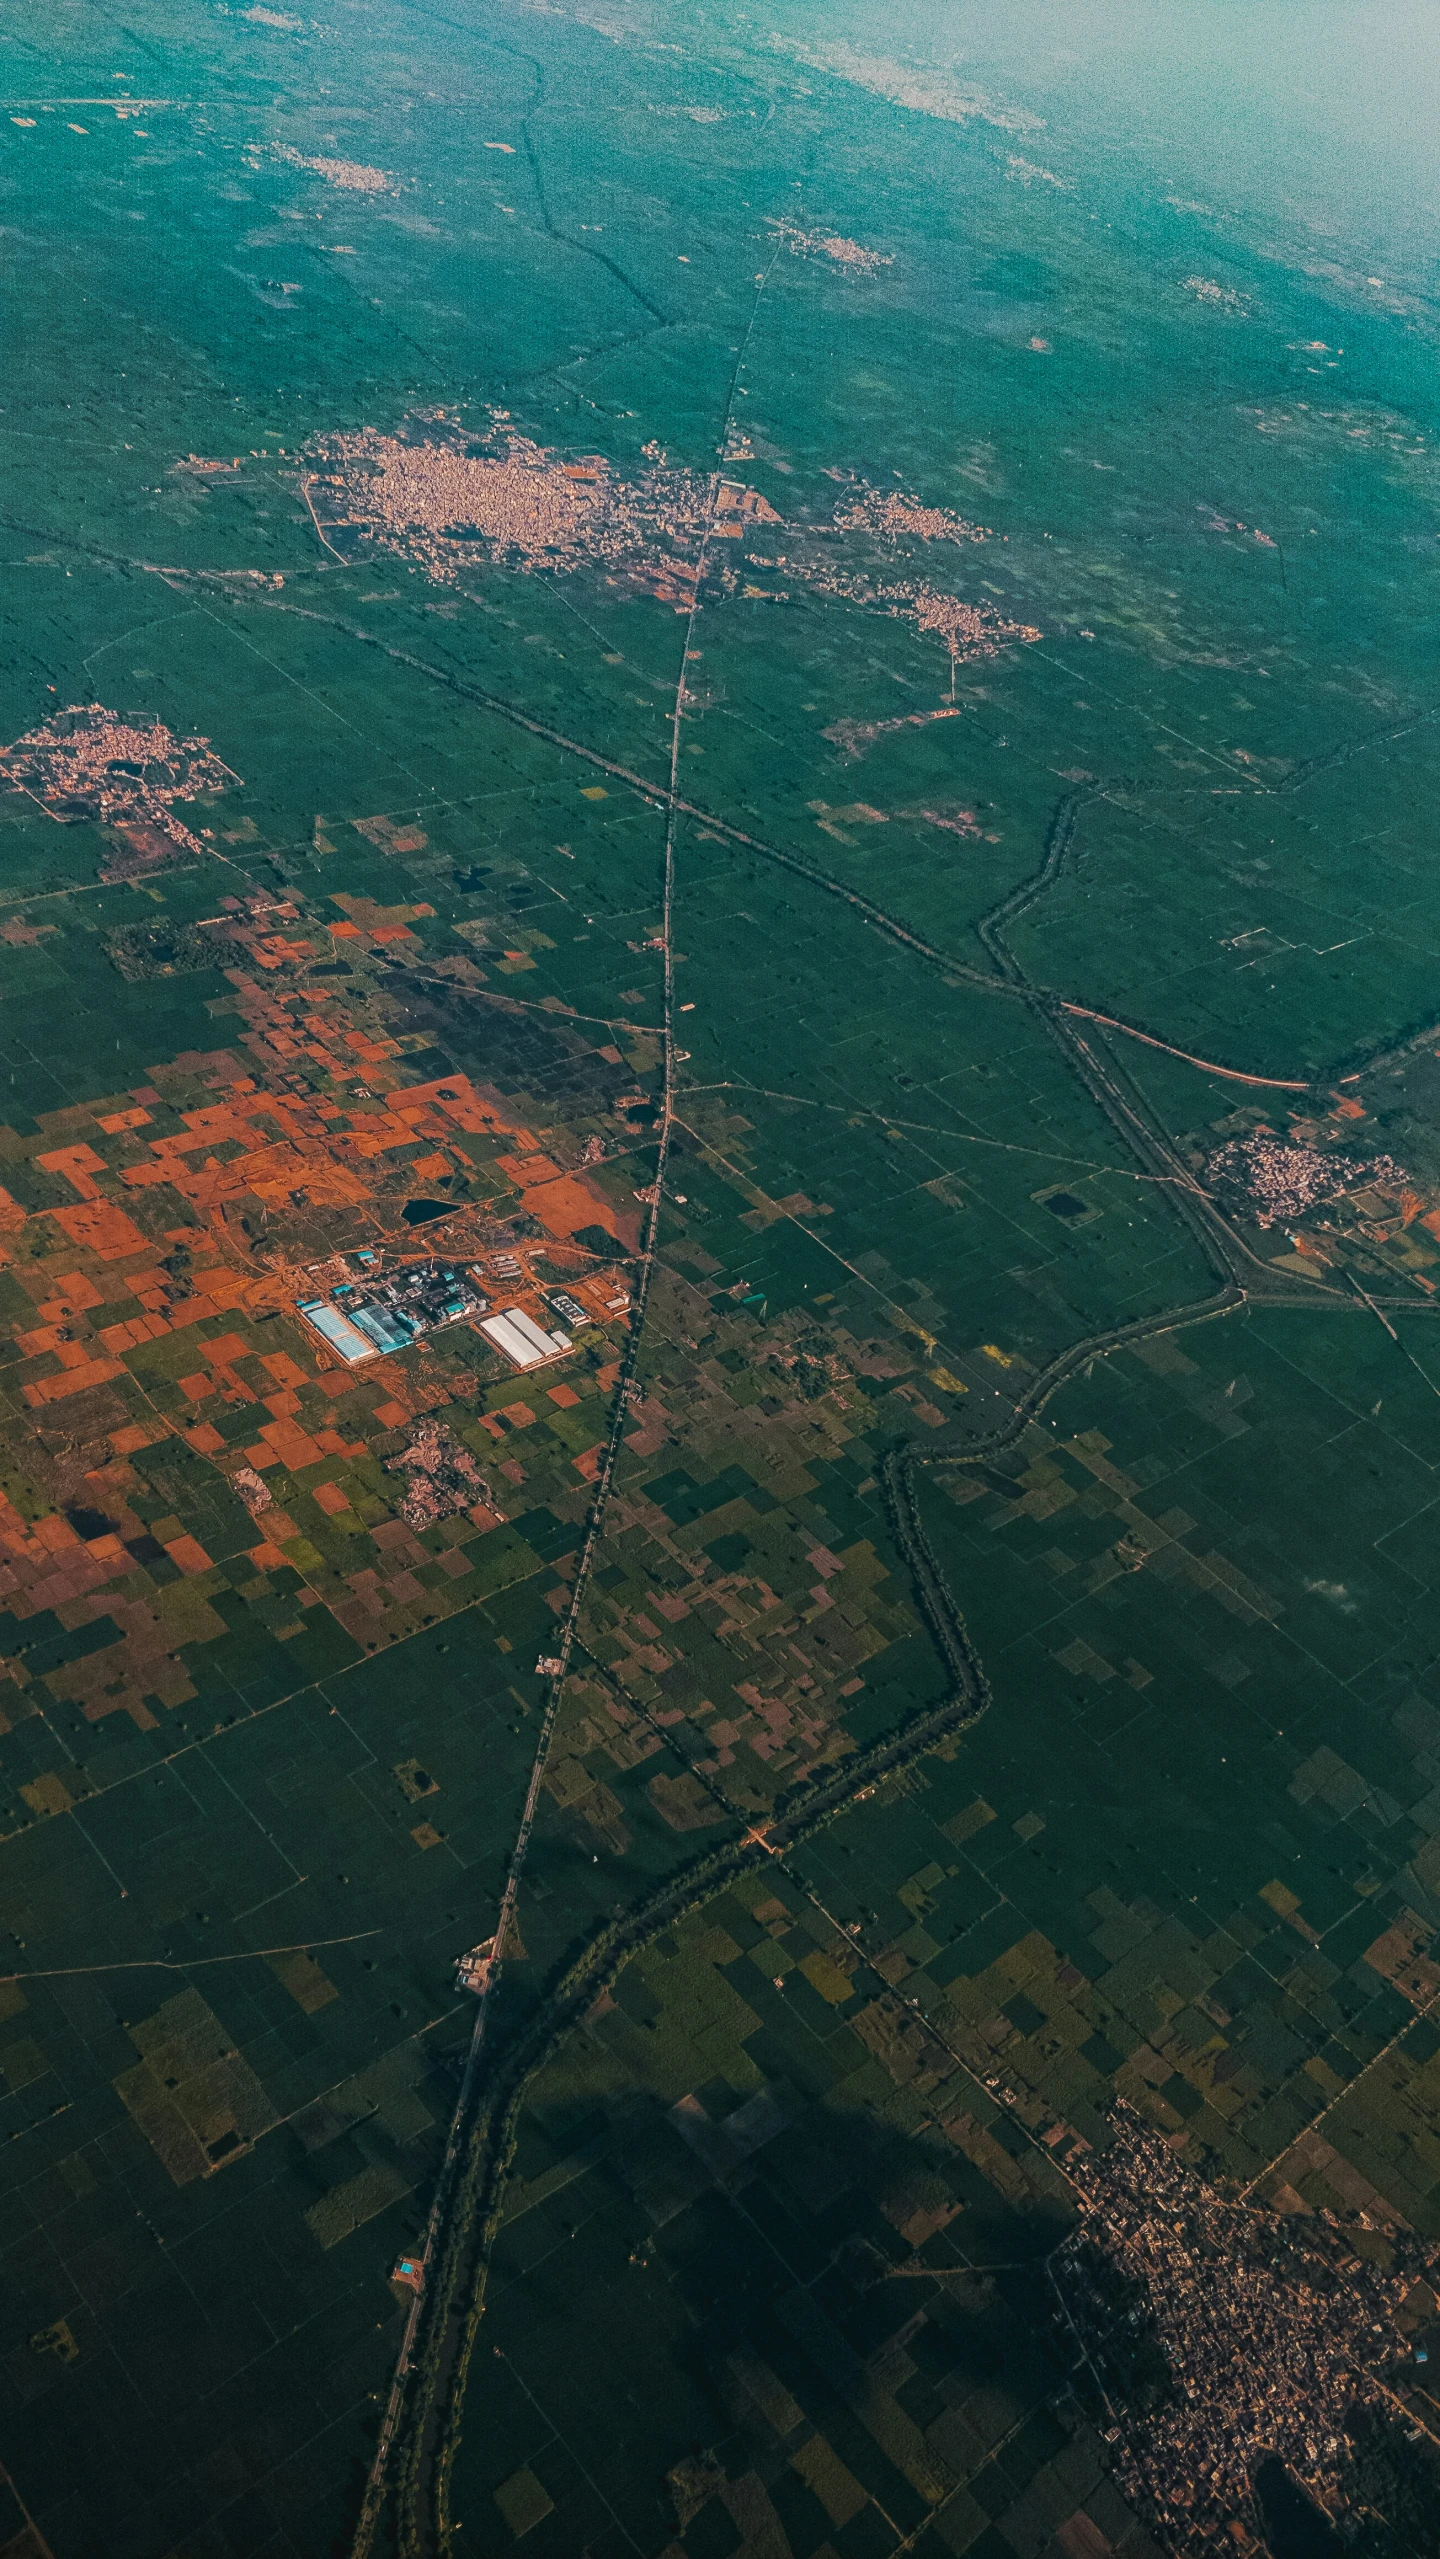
[(934, 934)]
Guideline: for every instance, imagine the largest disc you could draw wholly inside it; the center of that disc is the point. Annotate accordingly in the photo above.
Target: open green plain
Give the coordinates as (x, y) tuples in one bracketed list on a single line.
[(1074, 1542)]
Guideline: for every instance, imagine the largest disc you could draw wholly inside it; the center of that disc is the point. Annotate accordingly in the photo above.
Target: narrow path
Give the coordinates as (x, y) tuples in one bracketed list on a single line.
[(428, 2391), (422, 2414), (437, 2304), (435, 2424), (1005, 978), (1231, 1074), (615, 1944), (433, 2345)]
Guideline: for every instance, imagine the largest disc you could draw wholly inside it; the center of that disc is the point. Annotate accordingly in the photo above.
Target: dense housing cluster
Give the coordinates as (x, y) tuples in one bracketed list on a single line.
[(832, 245), (1230, 2335), (87, 762), (968, 630), (441, 1476), (447, 502), (1279, 1181), (353, 177), (891, 517)]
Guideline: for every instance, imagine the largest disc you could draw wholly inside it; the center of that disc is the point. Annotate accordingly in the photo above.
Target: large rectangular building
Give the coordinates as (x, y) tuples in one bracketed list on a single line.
[(338, 1331), (521, 1339)]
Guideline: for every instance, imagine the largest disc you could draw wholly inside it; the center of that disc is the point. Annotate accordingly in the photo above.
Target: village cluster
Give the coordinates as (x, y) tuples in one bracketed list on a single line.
[(1265, 2333), (450, 501)]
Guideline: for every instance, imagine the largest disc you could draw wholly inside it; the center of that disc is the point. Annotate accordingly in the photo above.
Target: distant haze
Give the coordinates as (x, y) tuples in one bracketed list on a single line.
[(1318, 114)]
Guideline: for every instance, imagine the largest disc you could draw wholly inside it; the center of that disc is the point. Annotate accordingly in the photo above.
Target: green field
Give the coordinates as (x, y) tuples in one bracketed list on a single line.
[(953, 1394)]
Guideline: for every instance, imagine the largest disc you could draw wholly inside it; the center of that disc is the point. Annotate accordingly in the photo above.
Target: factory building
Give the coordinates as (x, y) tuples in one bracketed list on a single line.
[(522, 1341)]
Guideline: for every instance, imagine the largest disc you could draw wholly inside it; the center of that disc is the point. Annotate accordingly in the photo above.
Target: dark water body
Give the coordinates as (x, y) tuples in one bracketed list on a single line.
[(1295, 2528)]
